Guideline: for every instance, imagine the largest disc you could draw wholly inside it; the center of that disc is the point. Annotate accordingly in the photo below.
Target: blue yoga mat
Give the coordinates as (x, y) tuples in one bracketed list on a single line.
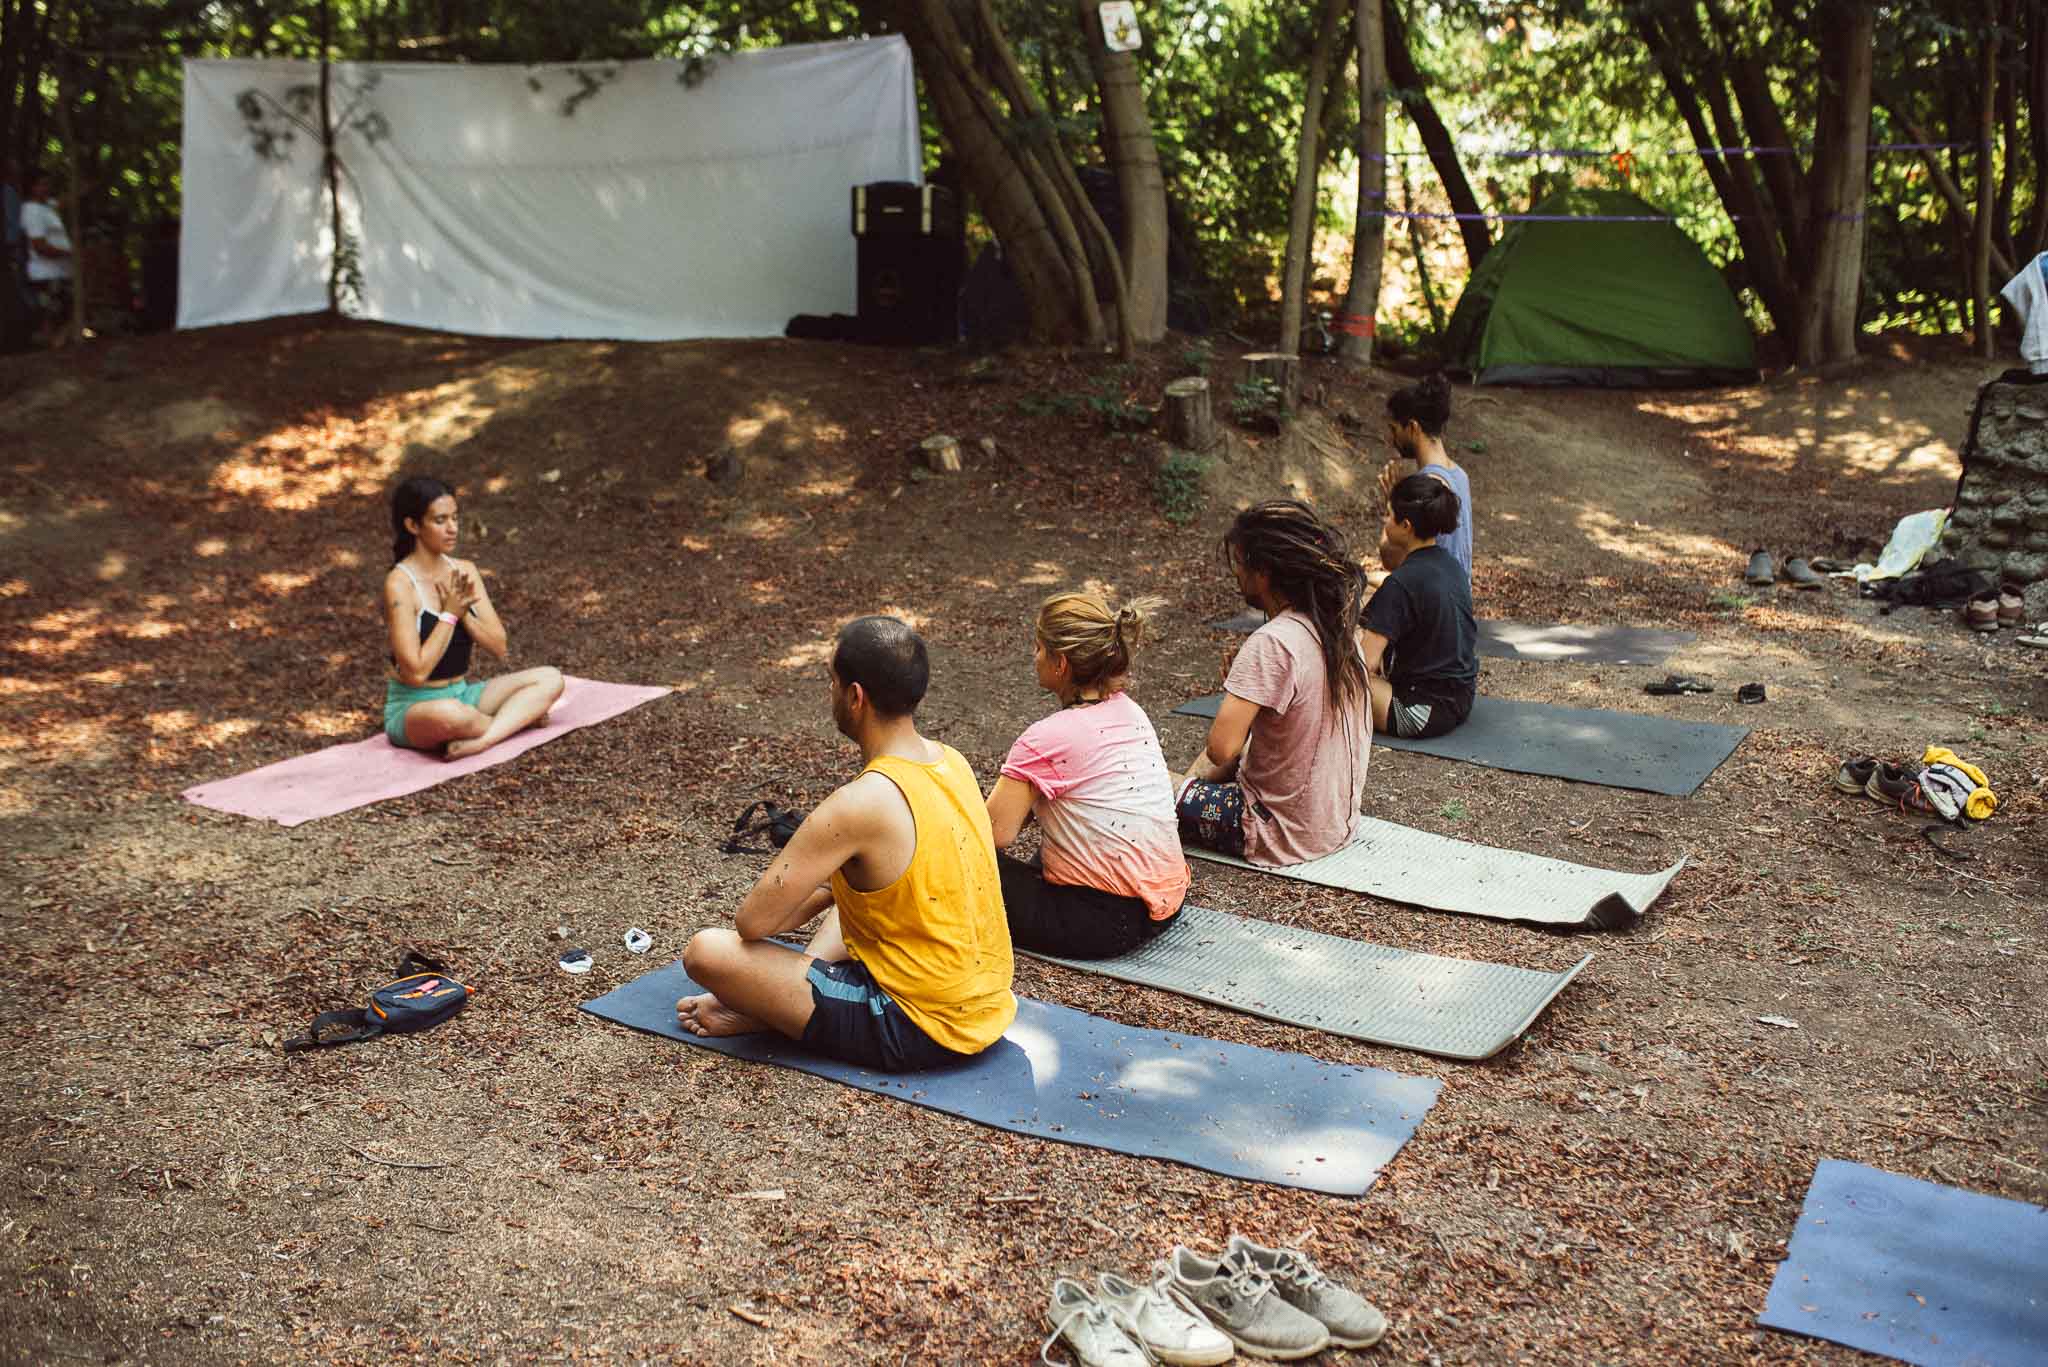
[(1915, 1271), (1066, 1075)]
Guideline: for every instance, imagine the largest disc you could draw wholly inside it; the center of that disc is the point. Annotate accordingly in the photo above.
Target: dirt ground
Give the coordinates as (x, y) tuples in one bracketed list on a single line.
[(194, 527)]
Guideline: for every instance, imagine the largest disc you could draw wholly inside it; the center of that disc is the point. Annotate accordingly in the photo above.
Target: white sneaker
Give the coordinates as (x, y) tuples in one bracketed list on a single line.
[(1085, 1323), (1164, 1320)]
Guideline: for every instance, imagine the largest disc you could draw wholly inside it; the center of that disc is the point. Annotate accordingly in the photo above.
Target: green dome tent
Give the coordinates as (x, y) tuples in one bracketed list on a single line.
[(1592, 303)]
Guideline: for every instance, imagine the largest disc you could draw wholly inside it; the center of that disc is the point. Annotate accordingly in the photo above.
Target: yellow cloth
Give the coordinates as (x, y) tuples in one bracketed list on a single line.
[(936, 939), (1983, 802)]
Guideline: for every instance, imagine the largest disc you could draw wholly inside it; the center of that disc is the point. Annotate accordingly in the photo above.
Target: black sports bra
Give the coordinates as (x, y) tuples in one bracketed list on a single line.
[(454, 661)]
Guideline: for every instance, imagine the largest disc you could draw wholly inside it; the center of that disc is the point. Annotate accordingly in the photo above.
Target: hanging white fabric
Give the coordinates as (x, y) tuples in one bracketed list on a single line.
[(613, 200)]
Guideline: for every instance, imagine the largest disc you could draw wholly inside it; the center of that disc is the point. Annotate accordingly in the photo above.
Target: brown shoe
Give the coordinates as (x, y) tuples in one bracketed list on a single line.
[(1982, 614), (2012, 609)]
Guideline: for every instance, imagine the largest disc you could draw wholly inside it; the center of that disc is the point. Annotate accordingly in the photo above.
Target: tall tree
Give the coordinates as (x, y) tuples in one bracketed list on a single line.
[(1308, 165), (1141, 185), (1020, 173), (1359, 321), (1414, 86)]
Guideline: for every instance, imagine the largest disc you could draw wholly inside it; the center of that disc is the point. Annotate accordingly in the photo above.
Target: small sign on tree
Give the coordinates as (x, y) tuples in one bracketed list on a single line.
[(1120, 25)]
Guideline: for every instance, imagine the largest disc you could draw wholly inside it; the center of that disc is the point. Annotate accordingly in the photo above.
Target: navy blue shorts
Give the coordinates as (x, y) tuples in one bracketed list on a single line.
[(855, 1021)]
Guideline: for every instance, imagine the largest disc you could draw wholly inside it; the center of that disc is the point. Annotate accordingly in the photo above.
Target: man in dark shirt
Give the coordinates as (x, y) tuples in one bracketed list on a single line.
[(1421, 644)]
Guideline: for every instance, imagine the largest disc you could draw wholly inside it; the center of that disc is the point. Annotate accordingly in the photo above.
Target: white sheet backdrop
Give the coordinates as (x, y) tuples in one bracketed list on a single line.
[(654, 211)]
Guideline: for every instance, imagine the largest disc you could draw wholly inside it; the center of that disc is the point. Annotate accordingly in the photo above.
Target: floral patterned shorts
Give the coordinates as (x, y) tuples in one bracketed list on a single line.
[(1212, 816)]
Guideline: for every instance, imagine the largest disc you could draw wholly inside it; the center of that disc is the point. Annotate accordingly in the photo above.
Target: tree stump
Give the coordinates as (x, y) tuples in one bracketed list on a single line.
[(1283, 370), (941, 455), (1190, 424)]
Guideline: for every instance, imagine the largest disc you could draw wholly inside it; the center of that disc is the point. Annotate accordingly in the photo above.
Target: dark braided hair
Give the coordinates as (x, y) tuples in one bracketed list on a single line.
[(1309, 564)]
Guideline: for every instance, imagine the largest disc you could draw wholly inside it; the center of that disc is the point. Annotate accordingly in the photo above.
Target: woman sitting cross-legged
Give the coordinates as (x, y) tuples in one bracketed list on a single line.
[(1421, 644), (1110, 873), (435, 609), (1283, 774)]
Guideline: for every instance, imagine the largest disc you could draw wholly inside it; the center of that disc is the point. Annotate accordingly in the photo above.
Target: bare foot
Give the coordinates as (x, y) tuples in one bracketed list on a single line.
[(460, 749), (708, 1016)]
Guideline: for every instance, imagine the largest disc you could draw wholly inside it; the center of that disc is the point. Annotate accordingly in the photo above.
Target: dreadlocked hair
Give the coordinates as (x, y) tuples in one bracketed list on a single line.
[(1309, 564)]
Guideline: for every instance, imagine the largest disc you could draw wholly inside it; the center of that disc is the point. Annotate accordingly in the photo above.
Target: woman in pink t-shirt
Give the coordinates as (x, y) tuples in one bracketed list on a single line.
[(1110, 873), (1283, 774)]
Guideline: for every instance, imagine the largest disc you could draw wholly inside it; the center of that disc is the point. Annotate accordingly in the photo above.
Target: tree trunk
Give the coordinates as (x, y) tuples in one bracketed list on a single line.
[(1356, 324), (1141, 185), (1945, 185), (1980, 245), (74, 220), (1408, 78), (1190, 421), (329, 167), (1840, 181), (1308, 163), (992, 167), (2037, 129)]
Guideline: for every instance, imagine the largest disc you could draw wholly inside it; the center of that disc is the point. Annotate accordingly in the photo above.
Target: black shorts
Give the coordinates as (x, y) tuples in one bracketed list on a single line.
[(855, 1021), (1070, 920), (1415, 717)]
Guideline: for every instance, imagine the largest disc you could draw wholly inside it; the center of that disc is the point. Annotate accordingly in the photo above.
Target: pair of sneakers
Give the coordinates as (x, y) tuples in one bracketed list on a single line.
[(1991, 611), (1892, 785), (1271, 1303)]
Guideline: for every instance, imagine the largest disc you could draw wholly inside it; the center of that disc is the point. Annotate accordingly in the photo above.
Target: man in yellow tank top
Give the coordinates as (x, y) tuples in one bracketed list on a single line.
[(911, 966)]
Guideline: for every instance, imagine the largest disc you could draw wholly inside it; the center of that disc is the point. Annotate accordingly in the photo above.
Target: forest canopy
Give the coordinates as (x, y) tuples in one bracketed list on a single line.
[(1882, 158)]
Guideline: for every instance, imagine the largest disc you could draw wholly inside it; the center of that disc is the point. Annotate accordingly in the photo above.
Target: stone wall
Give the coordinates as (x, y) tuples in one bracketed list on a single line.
[(2000, 523)]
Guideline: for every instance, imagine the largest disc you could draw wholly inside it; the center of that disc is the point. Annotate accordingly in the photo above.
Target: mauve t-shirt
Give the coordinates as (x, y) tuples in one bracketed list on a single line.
[(1304, 773)]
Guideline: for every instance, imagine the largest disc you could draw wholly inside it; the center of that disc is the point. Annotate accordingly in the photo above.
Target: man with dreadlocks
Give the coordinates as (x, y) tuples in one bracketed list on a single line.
[(1284, 770)]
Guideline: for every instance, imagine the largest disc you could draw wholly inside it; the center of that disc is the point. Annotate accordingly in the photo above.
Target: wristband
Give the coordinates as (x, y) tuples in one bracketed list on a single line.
[(450, 618)]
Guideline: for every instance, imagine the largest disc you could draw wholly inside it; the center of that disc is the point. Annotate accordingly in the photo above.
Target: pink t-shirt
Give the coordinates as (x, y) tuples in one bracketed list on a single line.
[(1104, 798), (1304, 773)]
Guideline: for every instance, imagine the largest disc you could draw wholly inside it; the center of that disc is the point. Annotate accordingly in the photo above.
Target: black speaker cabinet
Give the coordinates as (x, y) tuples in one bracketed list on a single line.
[(909, 280)]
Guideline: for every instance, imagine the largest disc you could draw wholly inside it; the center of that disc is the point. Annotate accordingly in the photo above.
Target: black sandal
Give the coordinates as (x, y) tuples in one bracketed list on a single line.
[(776, 822), (1675, 684)]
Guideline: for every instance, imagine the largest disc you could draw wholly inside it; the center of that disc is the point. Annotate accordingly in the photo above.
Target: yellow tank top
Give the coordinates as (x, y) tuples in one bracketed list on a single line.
[(936, 939)]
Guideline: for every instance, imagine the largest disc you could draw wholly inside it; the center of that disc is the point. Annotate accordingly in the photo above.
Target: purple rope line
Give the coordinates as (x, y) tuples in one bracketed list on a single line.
[(1571, 218), (1531, 152)]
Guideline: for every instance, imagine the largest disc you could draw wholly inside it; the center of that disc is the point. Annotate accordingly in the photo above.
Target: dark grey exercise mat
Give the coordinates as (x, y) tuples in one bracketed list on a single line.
[(1587, 745), (1065, 1075), (1502, 640), (1426, 1002), (1914, 1270), (1593, 645)]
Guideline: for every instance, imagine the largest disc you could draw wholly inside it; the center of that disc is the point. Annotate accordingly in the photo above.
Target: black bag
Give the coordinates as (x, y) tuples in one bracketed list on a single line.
[(762, 818), (1937, 585), (419, 998)]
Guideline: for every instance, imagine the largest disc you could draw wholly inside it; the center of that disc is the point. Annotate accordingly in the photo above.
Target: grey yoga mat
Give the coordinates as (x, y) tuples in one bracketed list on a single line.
[(1503, 640), (1065, 1075), (1587, 745), (1423, 869), (1453, 1007)]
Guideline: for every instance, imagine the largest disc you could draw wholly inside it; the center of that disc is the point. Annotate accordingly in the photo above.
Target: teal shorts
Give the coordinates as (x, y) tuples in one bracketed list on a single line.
[(399, 698)]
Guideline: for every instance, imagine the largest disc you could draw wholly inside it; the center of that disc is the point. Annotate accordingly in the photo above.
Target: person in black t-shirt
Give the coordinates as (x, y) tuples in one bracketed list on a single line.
[(1421, 644)]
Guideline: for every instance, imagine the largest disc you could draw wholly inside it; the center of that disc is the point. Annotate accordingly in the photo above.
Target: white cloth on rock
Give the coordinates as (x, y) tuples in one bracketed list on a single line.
[(2027, 292)]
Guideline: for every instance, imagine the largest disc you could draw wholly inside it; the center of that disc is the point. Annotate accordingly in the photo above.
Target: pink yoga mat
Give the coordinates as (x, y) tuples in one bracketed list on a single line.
[(342, 777)]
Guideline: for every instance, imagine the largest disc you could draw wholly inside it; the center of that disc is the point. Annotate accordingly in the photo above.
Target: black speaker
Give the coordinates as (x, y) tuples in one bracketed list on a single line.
[(911, 260)]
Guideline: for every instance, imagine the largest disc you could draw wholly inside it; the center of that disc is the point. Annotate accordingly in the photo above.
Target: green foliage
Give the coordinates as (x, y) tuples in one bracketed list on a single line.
[(1196, 355), (1117, 411), (1728, 600), (1177, 486), (1050, 406), (1255, 401), (1453, 810)]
